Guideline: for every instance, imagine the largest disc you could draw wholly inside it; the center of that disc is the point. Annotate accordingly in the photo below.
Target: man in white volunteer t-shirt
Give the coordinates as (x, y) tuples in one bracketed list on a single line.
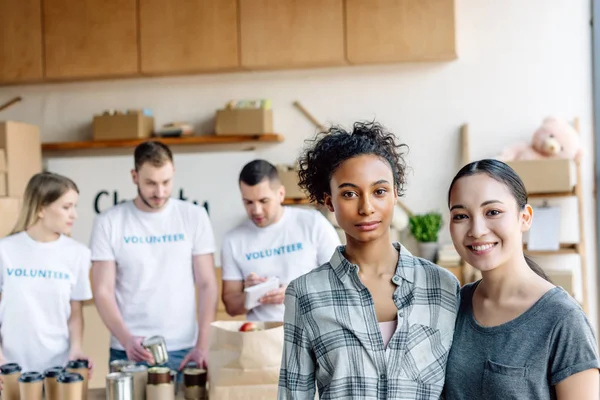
[(276, 241), (150, 256)]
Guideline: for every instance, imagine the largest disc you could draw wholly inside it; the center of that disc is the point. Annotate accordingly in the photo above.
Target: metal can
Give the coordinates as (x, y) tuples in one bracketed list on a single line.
[(158, 347), (159, 375), (194, 384), (118, 365), (139, 374), (119, 386), (160, 384)]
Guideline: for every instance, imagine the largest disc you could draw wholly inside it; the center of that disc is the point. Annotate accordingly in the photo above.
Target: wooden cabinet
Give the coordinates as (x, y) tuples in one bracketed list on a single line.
[(291, 33), (188, 35), (90, 38), (20, 41), (66, 40), (382, 31)]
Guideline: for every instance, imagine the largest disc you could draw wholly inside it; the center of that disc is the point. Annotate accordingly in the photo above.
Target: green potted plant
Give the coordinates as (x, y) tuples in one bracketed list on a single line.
[(425, 229)]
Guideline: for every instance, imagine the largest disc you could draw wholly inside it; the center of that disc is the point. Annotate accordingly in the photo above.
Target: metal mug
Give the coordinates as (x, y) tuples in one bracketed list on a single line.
[(158, 347), (119, 386)]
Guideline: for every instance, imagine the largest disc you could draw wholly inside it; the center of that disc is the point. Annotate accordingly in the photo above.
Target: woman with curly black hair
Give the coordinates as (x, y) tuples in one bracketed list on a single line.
[(374, 322)]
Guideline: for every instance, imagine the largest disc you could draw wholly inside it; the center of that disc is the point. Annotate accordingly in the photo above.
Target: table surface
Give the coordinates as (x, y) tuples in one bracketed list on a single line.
[(100, 394)]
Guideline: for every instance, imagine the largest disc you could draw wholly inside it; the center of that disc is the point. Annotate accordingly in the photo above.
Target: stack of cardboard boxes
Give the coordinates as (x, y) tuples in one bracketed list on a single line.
[(20, 159)]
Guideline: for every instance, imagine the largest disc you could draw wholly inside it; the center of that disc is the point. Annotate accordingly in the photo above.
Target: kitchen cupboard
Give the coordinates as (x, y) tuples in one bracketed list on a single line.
[(291, 33), (384, 31), (188, 35), (20, 41), (90, 38), (67, 40)]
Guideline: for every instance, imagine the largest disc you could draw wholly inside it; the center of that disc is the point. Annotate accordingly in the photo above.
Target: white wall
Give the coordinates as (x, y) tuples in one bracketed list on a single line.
[(518, 62)]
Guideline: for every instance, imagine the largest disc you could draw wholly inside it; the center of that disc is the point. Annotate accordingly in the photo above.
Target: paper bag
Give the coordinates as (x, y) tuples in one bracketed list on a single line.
[(244, 365)]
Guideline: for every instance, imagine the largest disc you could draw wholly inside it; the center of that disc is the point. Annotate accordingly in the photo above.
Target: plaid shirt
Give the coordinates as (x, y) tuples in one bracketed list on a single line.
[(332, 334)]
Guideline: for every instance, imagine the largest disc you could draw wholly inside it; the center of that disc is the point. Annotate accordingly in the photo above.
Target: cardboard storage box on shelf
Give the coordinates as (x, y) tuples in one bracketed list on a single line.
[(244, 121), (3, 191), (289, 179), (563, 279), (9, 211), (546, 175), (23, 154), (133, 124)]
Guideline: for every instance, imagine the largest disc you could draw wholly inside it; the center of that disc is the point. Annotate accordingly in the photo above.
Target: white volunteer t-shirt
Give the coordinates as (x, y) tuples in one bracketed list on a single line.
[(153, 252), (300, 241), (38, 280)]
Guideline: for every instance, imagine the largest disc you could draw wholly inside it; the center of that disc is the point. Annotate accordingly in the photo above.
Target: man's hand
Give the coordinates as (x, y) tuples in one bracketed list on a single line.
[(276, 296), (253, 279), (198, 356), (2, 362), (77, 354), (136, 352)]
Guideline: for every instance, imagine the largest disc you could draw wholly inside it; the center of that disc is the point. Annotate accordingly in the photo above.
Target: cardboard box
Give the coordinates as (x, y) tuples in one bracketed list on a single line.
[(244, 121), (133, 124), (9, 212), (289, 179), (23, 150), (547, 175), (563, 279), (3, 190), (2, 160)]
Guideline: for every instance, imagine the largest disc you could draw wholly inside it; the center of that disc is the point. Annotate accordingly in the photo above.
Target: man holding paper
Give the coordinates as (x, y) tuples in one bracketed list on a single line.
[(276, 245)]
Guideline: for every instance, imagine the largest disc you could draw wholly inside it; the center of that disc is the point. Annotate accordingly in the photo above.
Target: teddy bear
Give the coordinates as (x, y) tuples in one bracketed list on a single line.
[(555, 138)]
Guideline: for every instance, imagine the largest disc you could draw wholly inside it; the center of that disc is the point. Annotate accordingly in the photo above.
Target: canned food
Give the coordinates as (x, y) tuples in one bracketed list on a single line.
[(160, 384), (194, 383), (119, 386), (140, 379), (118, 365), (159, 375), (157, 346)]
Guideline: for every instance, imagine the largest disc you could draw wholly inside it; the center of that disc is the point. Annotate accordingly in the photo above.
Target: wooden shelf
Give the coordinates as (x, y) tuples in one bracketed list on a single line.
[(551, 194), (172, 141), (295, 202), (569, 248)]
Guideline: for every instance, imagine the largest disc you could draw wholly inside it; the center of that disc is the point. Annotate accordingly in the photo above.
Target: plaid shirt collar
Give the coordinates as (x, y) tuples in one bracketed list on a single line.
[(405, 269)]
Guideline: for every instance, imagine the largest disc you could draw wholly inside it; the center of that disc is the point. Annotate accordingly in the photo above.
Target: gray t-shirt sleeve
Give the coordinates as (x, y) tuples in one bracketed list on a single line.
[(574, 345)]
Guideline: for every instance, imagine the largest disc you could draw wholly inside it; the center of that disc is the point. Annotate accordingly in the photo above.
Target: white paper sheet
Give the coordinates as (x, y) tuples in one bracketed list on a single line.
[(544, 233), (254, 293)]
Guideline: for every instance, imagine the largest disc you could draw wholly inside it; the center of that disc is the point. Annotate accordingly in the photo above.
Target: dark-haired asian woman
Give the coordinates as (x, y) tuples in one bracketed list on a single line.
[(517, 335)]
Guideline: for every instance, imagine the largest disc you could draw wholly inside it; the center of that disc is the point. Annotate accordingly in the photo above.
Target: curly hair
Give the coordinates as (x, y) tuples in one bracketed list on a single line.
[(329, 149)]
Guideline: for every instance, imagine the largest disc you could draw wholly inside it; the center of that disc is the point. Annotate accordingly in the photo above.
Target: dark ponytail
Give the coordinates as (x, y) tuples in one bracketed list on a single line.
[(536, 268), (505, 174)]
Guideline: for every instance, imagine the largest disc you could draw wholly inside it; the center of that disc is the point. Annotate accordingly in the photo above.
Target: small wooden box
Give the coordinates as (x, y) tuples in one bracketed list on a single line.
[(244, 121), (133, 124), (547, 175), (22, 155), (289, 180)]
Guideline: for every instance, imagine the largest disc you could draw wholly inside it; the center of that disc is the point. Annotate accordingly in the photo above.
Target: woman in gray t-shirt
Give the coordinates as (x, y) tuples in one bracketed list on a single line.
[(517, 335)]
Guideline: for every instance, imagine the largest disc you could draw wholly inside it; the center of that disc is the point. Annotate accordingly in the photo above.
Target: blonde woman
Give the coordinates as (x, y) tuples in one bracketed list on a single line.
[(44, 279)]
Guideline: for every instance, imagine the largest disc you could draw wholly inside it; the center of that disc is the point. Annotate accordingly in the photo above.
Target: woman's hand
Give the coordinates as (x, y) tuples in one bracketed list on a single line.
[(77, 354)]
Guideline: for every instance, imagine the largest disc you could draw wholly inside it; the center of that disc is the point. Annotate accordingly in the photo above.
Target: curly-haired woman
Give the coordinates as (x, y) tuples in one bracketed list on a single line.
[(374, 322)]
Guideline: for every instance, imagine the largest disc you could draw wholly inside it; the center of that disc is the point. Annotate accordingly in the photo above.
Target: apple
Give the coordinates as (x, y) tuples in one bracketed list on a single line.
[(248, 327)]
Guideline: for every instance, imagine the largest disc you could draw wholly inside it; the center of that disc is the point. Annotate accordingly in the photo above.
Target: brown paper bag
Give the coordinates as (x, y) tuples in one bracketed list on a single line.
[(244, 365)]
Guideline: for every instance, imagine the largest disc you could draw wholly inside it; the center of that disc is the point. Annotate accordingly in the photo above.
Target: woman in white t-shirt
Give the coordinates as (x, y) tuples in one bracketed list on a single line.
[(44, 279)]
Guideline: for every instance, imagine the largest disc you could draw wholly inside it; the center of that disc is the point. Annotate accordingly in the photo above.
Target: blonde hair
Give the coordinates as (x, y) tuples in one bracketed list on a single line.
[(42, 190)]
